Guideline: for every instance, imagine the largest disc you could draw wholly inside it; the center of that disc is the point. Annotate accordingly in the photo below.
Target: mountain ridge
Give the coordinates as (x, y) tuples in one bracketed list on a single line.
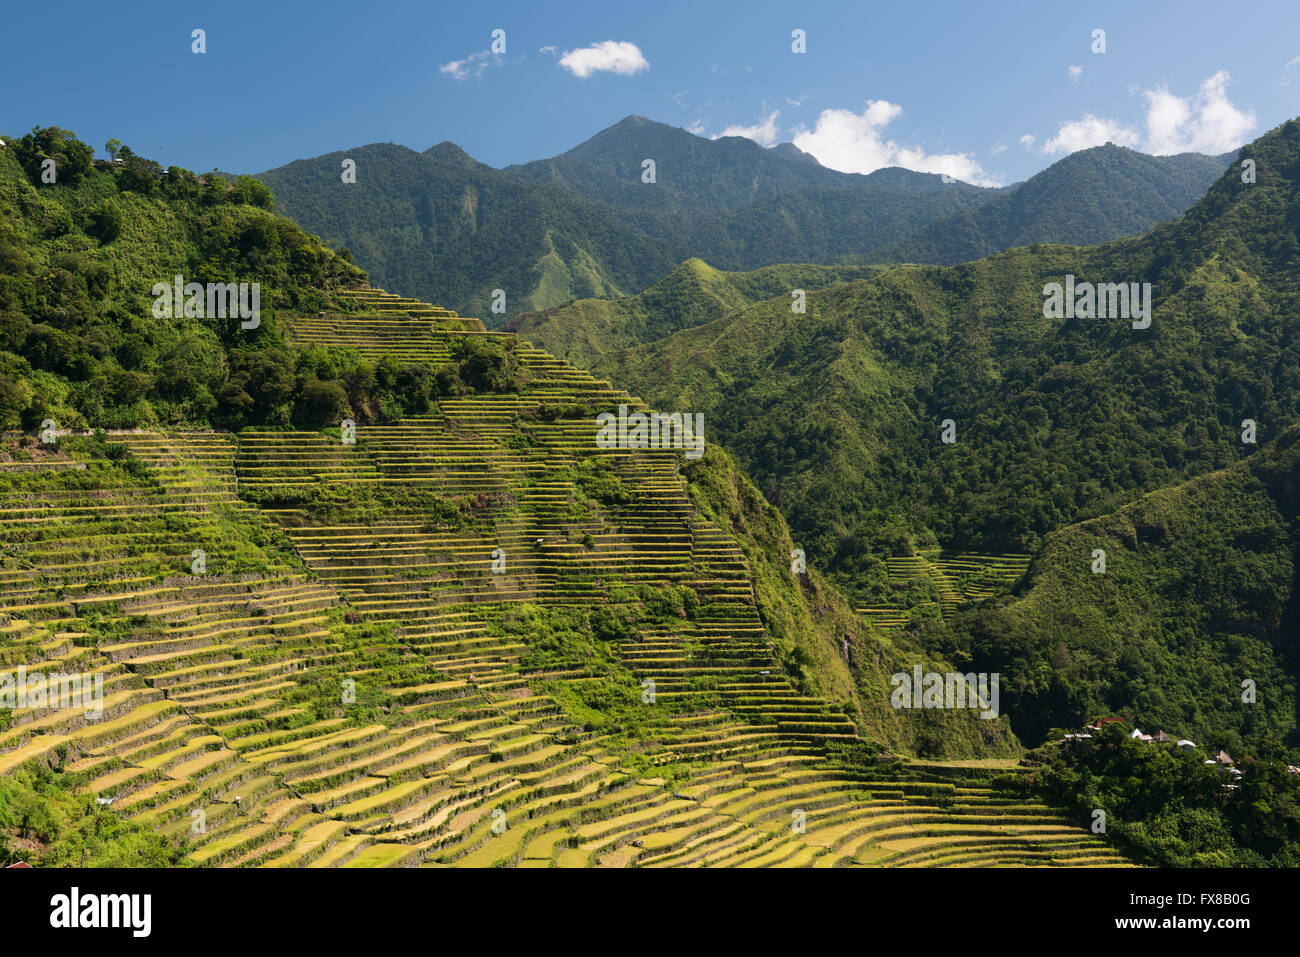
[(592, 227)]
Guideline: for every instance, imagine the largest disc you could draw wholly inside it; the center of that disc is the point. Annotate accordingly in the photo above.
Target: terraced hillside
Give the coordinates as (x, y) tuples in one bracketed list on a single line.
[(468, 638), (957, 578)]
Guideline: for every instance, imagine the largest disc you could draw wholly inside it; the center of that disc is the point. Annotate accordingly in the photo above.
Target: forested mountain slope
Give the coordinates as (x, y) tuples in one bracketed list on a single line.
[(1091, 196), (441, 226), (324, 652), (692, 294), (838, 413), (593, 222)]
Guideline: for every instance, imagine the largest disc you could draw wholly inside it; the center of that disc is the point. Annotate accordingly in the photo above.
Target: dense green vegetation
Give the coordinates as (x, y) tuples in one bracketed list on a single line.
[(79, 341), (693, 174), (442, 227), (692, 294), (1172, 807), (1197, 597), (1103, 193), (837, 415), (823, 646), (47, 820), (78, 338), (585, 226)]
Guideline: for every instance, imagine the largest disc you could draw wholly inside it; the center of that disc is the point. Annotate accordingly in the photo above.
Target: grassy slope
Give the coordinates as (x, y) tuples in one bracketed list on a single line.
[(809, 620), (836, 414), (692, 294), (1199, 594)]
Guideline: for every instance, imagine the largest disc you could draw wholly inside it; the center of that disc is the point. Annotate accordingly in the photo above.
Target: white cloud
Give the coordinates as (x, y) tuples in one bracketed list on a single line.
[(1166, 115), (797, 103), (608, 56), (677, 98), (548, 49), (696, 127), (1292, 62), (1207, 122), (1088, 132), (1027, 141), (475, 63), (856, 143), (764, 132), (1000, 148), (1075, 72)]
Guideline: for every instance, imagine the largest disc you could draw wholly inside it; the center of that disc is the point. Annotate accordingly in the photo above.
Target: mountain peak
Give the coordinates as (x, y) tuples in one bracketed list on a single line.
[(791, 152), (449, 152)]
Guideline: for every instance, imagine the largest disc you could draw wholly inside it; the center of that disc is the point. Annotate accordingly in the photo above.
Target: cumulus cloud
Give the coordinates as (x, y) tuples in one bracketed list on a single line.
[(608, 56), (856, 143), (1027, 141), (764, 132), (1075, 72), (1207, 122), (474, 64), (1088, 132)]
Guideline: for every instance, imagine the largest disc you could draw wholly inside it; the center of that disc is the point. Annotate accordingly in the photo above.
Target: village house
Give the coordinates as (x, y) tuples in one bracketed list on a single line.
[(1102, 722)]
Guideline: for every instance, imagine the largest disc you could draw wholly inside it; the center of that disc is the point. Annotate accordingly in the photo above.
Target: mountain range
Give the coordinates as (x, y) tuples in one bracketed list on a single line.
[(584, 224), (950, 407), (1097, 502)]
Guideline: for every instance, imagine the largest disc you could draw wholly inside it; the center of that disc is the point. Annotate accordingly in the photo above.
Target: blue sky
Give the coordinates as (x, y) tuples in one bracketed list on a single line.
[(945, 87)]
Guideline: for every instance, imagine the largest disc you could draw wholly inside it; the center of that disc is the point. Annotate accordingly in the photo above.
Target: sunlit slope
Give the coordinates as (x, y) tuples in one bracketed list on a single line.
[(346, 681), (586, 331)]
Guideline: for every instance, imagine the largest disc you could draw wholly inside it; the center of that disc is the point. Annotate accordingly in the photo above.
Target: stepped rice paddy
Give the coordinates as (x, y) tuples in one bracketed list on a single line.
[(329, 653), (961, 578)]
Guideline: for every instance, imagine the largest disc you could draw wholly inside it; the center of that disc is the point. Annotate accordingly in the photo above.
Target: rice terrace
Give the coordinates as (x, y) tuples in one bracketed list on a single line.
[(722, 443), (337, 578)]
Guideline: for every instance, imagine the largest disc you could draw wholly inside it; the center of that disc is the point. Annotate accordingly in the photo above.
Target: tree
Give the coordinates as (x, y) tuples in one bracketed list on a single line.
[(321, 403), (72, 158), (254, 193), (104, 221), (113, 148)]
